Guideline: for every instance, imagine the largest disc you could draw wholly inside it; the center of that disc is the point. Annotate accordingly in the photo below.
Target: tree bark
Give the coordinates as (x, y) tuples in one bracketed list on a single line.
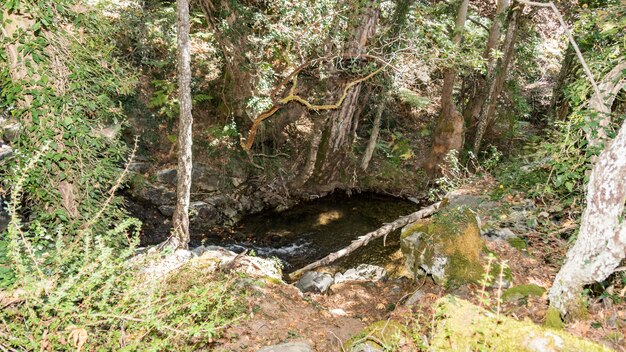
[(371, 144), (449, 129), (180, 219), (337, 136), (601, 243), (496, 82), (365, 239)]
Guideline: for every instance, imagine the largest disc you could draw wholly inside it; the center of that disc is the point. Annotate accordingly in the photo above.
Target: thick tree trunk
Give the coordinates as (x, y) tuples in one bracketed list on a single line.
[(336, 139), (496, 82), (371, 144), (601, 243), (180, 219), (449, 129)]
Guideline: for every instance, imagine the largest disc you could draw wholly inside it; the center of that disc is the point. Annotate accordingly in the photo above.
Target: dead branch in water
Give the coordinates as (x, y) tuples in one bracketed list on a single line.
[(365, 239)]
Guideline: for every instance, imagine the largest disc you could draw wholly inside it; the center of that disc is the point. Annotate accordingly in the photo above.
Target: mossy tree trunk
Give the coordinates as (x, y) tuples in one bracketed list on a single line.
[(180, 219), (449, 130), (601, 242)]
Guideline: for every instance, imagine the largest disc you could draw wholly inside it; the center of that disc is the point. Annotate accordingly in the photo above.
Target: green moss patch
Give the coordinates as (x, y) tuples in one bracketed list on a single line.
[(381, 335), (452, 234), (462, 326), (522, 291), (517, 243)]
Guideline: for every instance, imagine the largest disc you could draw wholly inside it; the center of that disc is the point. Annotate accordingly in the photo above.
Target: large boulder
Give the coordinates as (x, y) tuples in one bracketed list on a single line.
[(447, 247), (463, 326)]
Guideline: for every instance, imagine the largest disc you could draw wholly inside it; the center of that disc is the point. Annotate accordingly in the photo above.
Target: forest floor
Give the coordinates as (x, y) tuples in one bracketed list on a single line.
[(326, 321)]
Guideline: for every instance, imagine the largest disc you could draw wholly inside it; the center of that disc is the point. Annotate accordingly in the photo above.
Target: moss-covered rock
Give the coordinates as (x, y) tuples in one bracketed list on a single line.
[(383, 335), (517, 243), (522, 291), (448, 247), (462, 326)]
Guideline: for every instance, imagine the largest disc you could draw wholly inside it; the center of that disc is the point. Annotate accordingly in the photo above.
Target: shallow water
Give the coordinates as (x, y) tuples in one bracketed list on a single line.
[(313, 229)]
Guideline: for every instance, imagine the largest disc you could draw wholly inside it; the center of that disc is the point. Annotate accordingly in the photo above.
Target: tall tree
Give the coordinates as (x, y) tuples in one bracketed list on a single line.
[(180, 219), (449, 130), (497, 79), (601, 242), (475, 103)]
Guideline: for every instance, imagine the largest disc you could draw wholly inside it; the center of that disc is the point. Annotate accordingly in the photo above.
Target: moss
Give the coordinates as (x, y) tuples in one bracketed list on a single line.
[(517, 243), (462, 326), (454, 234), (522, 291), (553, 319), (389, 333)]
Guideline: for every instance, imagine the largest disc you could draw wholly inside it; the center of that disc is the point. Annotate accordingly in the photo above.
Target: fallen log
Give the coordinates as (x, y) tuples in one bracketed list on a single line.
[(365, 239)]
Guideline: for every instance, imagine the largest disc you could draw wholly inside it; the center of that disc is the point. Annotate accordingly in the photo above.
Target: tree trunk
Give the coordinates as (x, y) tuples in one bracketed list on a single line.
[(610, 85), (371, 144), (477, 100), (601, 243), (496, 82), (449, 129), (336, 139), (180, 219)]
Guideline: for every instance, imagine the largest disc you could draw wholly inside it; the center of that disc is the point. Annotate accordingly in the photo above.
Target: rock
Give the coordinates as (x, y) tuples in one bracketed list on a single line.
[(465, 200), (202, 212), (168, 176), (288, 347), (363, 272), (384, 334), (167, 210), (203, 180), (315, 282), (165, 265), (415, 297), (156, 195), (338, 312), (447, 247), (10, 131), (463, 326), (504, 234), (140, 167), (5, 151), (237, 181)]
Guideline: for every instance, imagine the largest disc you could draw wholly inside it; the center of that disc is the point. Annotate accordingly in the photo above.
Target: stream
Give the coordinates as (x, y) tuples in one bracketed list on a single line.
[(311, 230)]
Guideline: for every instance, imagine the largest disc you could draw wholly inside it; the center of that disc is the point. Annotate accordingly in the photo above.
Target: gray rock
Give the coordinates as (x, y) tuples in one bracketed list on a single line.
[(5, 151), (312, 281), (10, 131), (464, 200), (288, 347), (139, 167), (168, 176), (504, 234), (363, 272), (415, 297), (201, 211), (167, 210), (156, 195)]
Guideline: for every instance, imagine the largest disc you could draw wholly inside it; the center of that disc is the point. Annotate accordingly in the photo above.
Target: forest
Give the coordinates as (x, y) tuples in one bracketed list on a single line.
[(298, 175)]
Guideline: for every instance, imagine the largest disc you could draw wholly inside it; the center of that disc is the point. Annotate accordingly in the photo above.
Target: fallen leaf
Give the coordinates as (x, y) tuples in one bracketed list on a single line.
[(78, 336)]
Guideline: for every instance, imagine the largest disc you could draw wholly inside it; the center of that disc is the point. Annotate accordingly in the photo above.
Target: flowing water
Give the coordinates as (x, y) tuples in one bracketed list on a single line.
[(314, 229)]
